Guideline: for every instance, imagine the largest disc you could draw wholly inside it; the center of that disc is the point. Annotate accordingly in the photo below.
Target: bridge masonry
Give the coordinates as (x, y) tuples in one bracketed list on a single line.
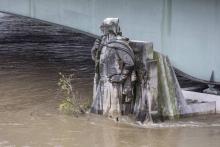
[(187, 31)]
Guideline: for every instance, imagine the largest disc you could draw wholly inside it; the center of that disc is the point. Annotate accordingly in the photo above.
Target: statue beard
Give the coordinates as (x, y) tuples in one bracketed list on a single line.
[(109, 36)]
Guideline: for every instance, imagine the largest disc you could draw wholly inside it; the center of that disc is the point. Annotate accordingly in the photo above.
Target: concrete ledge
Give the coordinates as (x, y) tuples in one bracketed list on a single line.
[(203, 108), (202, 97)]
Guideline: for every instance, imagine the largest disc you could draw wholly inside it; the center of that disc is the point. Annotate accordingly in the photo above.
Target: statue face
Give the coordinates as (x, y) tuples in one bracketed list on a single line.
[(108, 29), (104, 29)]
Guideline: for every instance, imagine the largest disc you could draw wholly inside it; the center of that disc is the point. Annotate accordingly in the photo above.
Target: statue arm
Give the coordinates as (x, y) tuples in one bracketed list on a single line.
[(95, 49), (127, 68), (128, 64)]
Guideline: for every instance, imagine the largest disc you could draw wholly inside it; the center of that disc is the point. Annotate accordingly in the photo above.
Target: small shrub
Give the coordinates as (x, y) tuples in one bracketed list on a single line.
[(72, 103)]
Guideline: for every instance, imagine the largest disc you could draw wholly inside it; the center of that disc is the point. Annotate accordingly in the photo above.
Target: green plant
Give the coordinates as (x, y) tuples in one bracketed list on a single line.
[(72, 103)]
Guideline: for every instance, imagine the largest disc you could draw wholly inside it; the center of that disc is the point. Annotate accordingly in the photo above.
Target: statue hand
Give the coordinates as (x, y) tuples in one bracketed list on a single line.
[(95, 48), (97, 43), (117, 79)]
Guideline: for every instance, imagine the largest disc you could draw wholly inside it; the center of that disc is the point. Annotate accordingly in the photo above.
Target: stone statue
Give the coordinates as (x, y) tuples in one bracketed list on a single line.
[(114, 61), (131, 79)]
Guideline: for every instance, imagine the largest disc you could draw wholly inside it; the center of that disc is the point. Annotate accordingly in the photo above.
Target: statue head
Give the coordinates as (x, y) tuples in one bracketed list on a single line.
[(110, 26)]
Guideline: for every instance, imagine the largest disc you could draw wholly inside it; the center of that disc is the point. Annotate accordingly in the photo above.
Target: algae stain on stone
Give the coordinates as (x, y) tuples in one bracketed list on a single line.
[(167, 99)]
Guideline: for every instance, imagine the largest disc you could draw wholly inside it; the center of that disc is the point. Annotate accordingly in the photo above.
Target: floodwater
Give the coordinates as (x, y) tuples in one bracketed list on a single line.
[(31, 55)]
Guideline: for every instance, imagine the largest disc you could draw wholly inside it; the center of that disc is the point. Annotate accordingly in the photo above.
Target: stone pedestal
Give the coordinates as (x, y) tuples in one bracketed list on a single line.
[(155, 90)]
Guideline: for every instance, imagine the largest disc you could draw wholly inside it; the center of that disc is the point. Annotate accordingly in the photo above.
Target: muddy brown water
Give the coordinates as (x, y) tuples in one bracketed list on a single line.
[(31, 55)]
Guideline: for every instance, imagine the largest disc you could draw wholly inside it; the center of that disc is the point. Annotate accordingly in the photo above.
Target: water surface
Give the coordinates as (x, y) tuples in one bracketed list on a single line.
[(31, 55)]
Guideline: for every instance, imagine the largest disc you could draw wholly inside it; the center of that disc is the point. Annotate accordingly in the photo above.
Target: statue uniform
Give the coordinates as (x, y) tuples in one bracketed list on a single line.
[(116, 65)]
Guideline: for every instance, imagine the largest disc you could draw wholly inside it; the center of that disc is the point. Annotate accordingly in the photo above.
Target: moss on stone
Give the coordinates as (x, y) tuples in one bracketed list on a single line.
[(167, 99)]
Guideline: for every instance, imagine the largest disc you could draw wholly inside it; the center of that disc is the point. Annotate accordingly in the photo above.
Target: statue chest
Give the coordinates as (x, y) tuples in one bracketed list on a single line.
[(110, 61)]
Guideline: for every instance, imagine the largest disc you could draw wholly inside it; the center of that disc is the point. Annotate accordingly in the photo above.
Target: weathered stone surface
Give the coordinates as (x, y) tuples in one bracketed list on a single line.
[(138, 46), (131, 79), (204, 98), (114, 70), (171, 102), (153, 85), (145, 84), (202, 108)]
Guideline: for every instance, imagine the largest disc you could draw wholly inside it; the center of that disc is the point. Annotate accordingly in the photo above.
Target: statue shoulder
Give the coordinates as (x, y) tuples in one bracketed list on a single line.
[(121, 44), (123, 39), (120, 41)]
